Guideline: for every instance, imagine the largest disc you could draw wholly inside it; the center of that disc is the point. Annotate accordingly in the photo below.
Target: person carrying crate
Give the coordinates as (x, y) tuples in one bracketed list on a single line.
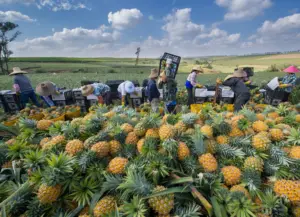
[(289, 81), (152, 90), (102, 91), (241, 91), (191, 82)]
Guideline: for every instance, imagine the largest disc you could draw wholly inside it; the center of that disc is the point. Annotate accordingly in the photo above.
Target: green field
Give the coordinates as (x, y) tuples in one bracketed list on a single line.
[(68, 72)]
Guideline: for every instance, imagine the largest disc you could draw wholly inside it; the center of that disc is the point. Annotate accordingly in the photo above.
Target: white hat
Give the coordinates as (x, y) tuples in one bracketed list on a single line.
[(169, 61), (129, 87), (16, 71)]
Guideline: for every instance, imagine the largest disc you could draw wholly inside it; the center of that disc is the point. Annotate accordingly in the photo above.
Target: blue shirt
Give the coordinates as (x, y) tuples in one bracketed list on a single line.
[(23, 82), (100, 89), (289, 79), (152, 90)]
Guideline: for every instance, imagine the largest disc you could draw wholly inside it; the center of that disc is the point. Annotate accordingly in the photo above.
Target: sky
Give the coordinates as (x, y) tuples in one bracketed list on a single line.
[(116, 28)]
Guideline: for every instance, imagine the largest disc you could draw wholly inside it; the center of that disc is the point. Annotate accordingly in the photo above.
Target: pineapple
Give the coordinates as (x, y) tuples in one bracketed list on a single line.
[(101, 149), (48, 194), (44, 141), (259, 126), (127, 128), (166, 132), (44, 124), (207, 131), (232, 175), (7, 164), (295, 152), (183, 151), (298, 118), (162, 205), (288, 188), (180, 126), (273, 115), (221, 140), (253, 163), (76, 122), (260, 117), (242, 189), (131, 139), (139, 129), (260, 142), (109, 114), (190, 131), (236, 132), (210, 145), (208, 162), (115, 146), (140, 145), (58, 140), (296, 211), (276, 135), (153, 133), (74, 147), (105, 206), (117, 165), (189, 119)]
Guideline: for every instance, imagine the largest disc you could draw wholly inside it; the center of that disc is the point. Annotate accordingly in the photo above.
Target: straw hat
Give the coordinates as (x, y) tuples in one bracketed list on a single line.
[(169, 61), (87, 90), (46, 88), (240, 73), (129, 87), (197, 68), (292, 69), (154, 73), (16, 71)]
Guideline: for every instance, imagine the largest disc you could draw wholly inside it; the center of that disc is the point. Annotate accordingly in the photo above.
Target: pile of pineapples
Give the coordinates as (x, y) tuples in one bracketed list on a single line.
[(119, 162)]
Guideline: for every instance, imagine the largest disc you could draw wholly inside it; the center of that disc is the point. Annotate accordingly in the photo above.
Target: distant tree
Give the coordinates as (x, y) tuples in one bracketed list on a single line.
[(6, 36)]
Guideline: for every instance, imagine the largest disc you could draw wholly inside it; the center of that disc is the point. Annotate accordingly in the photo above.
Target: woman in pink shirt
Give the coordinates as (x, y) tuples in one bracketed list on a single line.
[(191, 82)]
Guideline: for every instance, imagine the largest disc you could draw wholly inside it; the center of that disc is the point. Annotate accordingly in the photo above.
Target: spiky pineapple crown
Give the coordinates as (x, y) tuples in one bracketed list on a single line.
[(189, 118)]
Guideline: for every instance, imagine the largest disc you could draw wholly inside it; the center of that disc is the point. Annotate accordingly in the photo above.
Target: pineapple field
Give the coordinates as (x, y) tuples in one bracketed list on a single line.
[(121, 162)]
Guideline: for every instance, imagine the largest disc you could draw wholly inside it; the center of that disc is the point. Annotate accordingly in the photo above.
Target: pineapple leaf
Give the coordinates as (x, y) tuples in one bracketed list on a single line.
[(228, 151), (191, 210)]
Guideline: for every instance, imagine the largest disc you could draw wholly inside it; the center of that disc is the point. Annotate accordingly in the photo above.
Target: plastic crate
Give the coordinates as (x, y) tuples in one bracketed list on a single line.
[(227, 100), (66, 95), (60, 103), (92, 102), (274, 97), (12, 106), (77, 94), (80, 102), (136, 102), (200, 100), (114, 84)]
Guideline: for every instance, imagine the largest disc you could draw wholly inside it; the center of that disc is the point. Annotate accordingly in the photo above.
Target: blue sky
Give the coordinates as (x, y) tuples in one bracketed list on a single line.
[(96, 28)]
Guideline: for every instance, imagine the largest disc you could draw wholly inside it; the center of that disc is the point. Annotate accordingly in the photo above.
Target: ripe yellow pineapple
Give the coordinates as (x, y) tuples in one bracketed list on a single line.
[(74, 147), (208, 162), (236, 132), (117, 165), (132, 138), (298, 118), (115, 146), (183, 151), (296, 211), (260, 142), (76, 122), (127, 128), (139, 130), (232, 175), (109, 114), (279, 120), (166, 132), (288, 188), (221, 140), (190, 131), (44, 124), (240, 188), (273, 115), (101, 149), (249, 132), (276, 135), (295, 152), (44, 141), (48, 194), (60, 139), (140, 145), (105, 206), (180, 126), (254, 163), (207, 131), (7, 164), (162, 204), (259, 126), (153, 133), (260, 117)]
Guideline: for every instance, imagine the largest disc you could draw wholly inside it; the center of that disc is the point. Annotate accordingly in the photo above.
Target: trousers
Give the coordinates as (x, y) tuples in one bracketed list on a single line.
[(190, 96), (25, 96), (154, 105), (240, 101)]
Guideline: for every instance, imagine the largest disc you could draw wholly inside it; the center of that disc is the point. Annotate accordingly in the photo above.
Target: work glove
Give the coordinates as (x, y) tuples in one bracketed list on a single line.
[(219, 81), (283, 85), (248, 82), (199, 85)]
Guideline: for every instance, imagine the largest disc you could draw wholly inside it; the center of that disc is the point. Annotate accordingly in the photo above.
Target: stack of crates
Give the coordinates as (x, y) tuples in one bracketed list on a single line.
[(137, 98), (64, 98), (114, 84), (92, 100), (274, 97), (226, 95), (210, 93), (9, 101), (200, 95), (79, 99)]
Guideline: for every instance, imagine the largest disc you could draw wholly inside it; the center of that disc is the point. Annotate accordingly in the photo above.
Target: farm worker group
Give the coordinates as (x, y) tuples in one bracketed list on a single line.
[(102, 91)]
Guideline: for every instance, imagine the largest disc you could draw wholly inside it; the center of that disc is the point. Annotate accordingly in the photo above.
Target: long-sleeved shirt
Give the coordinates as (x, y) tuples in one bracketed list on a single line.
[(100, 89), (289, 79), (22, 83), (152, 90), (237, 85), (192, 78)]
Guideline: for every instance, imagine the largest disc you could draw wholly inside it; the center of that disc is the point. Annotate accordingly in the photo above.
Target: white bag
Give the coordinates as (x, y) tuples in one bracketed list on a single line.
[(273, 84)]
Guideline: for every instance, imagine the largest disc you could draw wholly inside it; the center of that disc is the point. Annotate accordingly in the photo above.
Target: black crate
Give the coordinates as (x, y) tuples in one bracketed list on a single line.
[(9, 98), (80, 102), (200, 100), (92, 102), (227, 100), (77, 95), (13, 106), (60, 103), (136, 102), (210, 99), (136, 83), (66, 95), (83, 109), (114, 84), (274, 97)]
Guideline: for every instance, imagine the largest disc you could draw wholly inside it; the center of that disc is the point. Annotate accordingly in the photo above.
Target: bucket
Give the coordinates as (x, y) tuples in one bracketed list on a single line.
[(71, 115)]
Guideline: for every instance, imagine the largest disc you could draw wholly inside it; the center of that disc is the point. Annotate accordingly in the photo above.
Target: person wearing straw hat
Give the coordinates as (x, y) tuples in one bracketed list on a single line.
[(191, 82), (125, 89), (102, 91), (22, 86), (241, 91), (288, 82), (46, 90), (152, 90)]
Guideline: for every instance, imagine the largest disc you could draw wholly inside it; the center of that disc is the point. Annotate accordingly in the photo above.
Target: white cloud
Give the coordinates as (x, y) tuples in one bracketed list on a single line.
[(13, 16), (216, 32), (124, 18), (179, 25), (243, 9), (54, 5)]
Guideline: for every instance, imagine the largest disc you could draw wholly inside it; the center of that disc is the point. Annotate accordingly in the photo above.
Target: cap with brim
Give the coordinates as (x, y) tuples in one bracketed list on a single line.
[(240, 73), (292, 69), (129, 87), (45, 89), (16, 71), (87, 90), (198, 69), (154, 73)]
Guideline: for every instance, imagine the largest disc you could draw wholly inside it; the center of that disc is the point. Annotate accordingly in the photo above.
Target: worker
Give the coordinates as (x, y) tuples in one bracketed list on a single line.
[(191, 82), (102, 91), (125, 89), (23, 87), (289, 81), (46, 90), (241, 91), (152, 90), (169, 86)]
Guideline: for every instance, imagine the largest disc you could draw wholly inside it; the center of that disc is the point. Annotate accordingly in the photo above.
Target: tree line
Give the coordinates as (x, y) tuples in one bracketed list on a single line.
[(8, 34)]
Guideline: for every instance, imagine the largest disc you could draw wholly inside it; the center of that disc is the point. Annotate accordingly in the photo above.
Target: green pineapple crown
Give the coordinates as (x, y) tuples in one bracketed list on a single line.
[(249, 115), (189, 118), (294, 137)]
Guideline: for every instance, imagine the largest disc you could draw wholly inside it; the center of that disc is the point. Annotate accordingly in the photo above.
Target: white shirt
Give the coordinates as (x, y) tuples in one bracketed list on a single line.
[(121, 88)]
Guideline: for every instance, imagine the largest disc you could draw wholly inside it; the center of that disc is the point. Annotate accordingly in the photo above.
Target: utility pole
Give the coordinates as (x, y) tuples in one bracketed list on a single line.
[(137, 55)]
